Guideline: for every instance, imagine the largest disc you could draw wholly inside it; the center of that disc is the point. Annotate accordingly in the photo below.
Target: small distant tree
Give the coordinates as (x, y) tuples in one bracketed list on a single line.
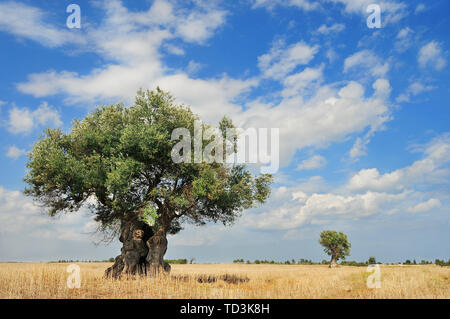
[(335, 244), (372, 261)]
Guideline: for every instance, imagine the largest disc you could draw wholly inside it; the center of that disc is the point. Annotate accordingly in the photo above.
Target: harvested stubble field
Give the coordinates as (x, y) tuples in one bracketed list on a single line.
[(43, 280)]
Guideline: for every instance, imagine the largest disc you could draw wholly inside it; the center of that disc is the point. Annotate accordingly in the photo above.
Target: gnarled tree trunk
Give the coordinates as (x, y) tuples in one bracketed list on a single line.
[(132, 260), (142, 251), (157, 247)]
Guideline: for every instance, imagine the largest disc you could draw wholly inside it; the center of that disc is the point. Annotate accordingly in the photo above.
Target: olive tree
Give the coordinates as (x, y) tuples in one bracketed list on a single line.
[(118, 162), (335, 244)]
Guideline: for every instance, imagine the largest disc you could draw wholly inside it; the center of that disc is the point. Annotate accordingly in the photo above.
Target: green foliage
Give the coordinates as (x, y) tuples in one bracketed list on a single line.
[(118, 160), (442, 262), (149, 215), (177, 261), (354, 263), (371, 261), (335, 244)]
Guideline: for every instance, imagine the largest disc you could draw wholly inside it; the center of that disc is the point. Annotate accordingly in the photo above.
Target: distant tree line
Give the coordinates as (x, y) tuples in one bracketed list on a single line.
[(176, 261), (111, 260), (62, 261), (370, 261), (301, 261)]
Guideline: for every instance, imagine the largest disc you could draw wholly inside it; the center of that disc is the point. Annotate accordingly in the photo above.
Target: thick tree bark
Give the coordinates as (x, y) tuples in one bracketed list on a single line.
[(142, 251), (132, 260), (157, 247)]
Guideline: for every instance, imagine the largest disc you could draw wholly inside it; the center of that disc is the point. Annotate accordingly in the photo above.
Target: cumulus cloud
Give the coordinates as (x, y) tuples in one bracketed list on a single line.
[(310, 113), (393, 11), (306, 5), (414, 89), (308, 79), (329, 115), (290, 213), (282, 60), (432, 168), (28, 22), (431, 55), (335, 28), (19, 214), (14, 152), (404, 39), (366, 193), (23, 120), (366, 60), (359, 148), (420, 8), (193, 235), (313, 162), (425, 206), (29, 234)]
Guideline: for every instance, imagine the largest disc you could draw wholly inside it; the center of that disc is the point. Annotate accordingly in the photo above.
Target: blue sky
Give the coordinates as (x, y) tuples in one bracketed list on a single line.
[(362, 112)]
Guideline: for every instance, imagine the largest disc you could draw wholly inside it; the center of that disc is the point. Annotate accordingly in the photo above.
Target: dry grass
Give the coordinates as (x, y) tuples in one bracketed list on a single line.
[(41, 280)]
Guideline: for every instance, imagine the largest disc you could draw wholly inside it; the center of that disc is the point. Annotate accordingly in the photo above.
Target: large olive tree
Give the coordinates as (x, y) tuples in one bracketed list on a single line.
[(118, 160)]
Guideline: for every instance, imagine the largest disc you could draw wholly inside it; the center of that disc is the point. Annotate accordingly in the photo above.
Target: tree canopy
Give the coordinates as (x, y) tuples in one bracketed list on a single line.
[(118, 161)]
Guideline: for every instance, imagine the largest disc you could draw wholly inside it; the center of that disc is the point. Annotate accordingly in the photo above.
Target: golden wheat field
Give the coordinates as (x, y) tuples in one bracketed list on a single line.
[(49, 280)]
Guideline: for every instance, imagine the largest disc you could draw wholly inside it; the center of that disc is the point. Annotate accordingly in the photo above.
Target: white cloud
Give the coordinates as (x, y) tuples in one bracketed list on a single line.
[(413, 89), (392, 11), (14, 152), (404, 39), (309, 114), (431, 55), (132, 41), (430, 169), (413, 188), (313, 162), (335, 28), (306, 5), (23, 120), (425, 206), (29, 234), (308, 79), (329, 115), (359, 148), (20, 121), (193, 67), (282, 60), (368, 60), (371, 179), (47, 115), (420, 8), (18, 214), (317, 208), (174, 49), (193, 235), (27, 22), (200, 26)]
